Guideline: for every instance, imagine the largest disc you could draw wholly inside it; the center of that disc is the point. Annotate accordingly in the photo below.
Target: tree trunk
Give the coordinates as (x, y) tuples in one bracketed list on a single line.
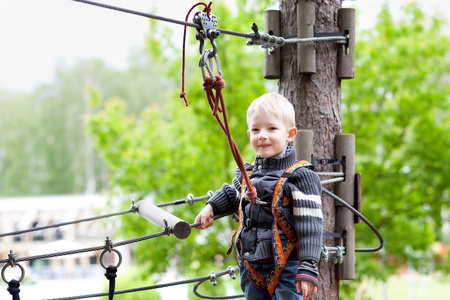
[(316, 99)]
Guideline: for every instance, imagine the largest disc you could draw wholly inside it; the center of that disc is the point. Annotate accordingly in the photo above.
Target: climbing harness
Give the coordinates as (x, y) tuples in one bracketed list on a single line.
[(281, 221)]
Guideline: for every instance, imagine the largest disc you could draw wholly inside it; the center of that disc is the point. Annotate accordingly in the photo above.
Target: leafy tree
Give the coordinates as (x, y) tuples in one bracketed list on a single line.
[(43, 145), (397, 106)]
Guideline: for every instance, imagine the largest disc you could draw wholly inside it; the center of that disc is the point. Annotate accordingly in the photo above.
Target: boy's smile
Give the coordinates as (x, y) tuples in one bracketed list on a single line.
[(268, 135)]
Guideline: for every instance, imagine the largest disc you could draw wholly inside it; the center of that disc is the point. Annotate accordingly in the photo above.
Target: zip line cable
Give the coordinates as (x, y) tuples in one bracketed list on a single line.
[(254, 35)]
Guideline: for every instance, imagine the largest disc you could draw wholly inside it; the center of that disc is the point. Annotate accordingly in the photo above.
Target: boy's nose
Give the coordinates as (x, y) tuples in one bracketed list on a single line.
[(262, 135)]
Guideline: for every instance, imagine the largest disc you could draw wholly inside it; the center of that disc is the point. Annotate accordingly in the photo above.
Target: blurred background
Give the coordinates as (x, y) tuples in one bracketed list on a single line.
[(90, 119)]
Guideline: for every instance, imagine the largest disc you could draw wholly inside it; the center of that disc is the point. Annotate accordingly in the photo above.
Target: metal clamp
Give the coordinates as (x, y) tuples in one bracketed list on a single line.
[(12, 263), (337, 252), (109, 249), (232, 272), (265, 40), (213, 278), (190, 199)]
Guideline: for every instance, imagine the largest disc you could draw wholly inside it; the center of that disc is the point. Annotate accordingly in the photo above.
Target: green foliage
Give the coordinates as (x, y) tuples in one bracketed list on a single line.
[(397, 106)]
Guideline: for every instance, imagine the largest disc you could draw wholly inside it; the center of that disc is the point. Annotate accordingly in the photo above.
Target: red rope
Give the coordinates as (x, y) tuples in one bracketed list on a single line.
[(217, 104), (207, 10)]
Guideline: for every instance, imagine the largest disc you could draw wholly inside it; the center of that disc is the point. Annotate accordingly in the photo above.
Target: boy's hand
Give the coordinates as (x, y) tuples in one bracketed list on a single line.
[(205, 217), (309, 289)]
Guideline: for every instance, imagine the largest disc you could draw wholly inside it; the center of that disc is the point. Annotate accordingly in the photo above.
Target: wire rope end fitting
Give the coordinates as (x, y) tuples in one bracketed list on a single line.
[(12, 262), (213, 278), (190, 199), (133, 207), (232, 272), (109, 248)]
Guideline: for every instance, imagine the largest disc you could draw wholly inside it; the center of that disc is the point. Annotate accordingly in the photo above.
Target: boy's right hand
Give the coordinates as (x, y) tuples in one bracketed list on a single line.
[(205, 217)]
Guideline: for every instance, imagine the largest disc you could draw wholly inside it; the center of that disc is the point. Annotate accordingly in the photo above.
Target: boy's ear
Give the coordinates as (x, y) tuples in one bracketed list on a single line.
[(291, 134), (248, 133)]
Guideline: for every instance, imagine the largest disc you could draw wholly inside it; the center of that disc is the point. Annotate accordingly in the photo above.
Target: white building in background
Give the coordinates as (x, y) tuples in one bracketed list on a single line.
[(21, 213)]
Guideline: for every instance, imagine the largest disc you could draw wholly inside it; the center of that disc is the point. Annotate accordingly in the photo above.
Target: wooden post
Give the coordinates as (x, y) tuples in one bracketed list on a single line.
[(306, 52), (272, 62), (346, 54), (179, 228), (316, 99), (304, 145), (345, 220)]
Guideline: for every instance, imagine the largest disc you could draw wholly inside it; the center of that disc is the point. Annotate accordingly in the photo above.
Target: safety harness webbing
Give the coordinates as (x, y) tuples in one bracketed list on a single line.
[(280, 253)]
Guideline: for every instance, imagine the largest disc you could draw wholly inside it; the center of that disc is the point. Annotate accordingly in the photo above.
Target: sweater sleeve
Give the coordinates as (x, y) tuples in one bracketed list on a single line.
[(305, 189), (226, 199)]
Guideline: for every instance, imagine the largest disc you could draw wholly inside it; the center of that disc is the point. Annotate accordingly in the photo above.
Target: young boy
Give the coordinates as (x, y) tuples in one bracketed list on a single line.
[(264, 272)]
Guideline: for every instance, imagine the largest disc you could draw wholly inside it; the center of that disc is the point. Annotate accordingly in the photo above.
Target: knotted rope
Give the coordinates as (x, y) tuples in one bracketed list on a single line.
[(111, 275), (13, 289), (217, 104)]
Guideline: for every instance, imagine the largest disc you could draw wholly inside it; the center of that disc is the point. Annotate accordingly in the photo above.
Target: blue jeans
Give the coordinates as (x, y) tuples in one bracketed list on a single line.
[(286, 289)]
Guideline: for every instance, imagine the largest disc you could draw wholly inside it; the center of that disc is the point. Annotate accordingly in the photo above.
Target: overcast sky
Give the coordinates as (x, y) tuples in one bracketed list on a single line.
[(37, 34)]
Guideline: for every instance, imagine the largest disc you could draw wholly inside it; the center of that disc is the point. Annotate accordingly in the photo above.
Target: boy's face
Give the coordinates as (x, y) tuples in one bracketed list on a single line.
[(268, 135)]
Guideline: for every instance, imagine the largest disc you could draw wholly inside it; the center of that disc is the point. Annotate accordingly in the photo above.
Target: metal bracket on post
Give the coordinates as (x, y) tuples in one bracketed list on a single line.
[(346, 54), (345, 151), (304, 145), (306, 52), (272, 58)]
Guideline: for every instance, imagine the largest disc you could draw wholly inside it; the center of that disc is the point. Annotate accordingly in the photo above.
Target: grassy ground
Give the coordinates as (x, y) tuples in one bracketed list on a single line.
[(407, 287)]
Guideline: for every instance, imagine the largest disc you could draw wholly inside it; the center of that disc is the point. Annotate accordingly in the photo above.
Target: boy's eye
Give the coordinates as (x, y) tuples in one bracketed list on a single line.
[(272, 128), (255, 130)]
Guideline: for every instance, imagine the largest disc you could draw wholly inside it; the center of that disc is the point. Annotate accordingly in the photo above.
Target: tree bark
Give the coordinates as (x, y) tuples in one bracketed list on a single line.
[(316, 99)]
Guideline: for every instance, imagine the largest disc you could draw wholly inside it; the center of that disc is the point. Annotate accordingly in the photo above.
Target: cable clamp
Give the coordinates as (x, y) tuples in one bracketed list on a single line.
[(213, 278), (109, 248), (232, 272), (190, 199), (265, 40), (12, 262), (133, 207), (166, 228)]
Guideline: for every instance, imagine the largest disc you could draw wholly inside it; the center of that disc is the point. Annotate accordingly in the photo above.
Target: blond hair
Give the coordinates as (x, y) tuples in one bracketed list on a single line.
[(275, 104)]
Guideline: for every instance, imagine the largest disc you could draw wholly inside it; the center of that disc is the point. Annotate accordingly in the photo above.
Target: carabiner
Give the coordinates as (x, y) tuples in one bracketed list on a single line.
[(203, 63)]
